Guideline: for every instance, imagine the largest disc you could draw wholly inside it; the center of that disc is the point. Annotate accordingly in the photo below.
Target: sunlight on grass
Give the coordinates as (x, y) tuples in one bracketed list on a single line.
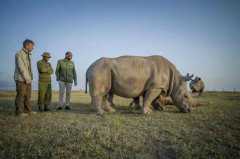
[(210, 131)]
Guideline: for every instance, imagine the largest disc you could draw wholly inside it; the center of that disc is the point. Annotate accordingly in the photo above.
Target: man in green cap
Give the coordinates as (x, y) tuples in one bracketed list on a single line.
[(65, 74), (44, 85)]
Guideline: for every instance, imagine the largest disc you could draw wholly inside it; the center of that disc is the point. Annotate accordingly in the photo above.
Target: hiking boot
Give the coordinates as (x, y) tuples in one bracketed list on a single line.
[(40, 109), (46, 109), (23, 115), (59, 108), (67, 108), (32, 112)]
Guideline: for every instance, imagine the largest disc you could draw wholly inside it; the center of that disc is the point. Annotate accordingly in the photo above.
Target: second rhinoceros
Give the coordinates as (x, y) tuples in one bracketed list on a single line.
[(197, 85)]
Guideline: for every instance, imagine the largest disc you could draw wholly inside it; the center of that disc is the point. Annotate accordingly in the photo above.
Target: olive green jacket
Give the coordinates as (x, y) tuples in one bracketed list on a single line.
[(66, 71), (45, 71), (23, 69)]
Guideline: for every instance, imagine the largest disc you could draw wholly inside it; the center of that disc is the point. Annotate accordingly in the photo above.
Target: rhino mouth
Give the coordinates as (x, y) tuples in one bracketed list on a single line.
[(185, 109)]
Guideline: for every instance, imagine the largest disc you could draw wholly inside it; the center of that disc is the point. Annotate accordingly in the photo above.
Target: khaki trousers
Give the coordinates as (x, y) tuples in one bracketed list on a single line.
[(23, 97), (64, 87)]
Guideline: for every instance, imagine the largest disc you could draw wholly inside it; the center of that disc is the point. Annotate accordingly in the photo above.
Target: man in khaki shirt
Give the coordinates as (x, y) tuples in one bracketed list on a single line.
[(44, 82), (23, 78)]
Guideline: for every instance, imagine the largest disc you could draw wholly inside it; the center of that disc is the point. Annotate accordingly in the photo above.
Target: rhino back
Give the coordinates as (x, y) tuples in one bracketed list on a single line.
[(130, 75), (137, 74)]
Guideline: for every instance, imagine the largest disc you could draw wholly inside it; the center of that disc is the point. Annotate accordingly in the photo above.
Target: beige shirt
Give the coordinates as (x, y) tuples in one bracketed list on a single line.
[(23, 70)]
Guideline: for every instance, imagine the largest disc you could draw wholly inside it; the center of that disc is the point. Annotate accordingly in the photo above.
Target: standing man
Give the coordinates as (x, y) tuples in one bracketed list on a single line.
[(65, 74), (23, 77), (44, 82)]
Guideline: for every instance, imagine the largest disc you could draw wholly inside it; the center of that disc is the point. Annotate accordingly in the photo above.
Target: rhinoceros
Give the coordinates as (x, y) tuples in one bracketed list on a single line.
[(197, 85), (134, 76)]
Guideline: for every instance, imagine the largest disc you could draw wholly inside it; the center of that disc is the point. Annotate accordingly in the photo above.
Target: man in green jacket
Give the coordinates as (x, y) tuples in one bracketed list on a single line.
[(44, 83), (66, 75)]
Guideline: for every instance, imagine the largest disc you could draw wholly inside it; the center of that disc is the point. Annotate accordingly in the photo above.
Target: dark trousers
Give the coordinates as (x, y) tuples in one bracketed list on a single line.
[(23, 97)]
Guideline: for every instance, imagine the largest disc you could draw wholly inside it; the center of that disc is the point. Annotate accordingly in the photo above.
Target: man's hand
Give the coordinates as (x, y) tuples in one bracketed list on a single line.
[(28, 81)]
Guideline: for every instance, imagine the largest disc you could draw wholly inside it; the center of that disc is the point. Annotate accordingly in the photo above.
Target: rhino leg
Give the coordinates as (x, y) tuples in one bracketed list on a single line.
[(97, 102), (110, 99), (107, 105), (148, 98), (135, 103)]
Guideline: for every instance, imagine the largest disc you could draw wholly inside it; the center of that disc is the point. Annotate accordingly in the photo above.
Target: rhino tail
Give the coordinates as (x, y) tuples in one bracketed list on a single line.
[(86, 83)]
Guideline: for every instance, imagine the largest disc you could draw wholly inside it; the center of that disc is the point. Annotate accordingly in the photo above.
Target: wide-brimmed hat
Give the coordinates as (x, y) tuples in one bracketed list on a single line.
[(46, 54)]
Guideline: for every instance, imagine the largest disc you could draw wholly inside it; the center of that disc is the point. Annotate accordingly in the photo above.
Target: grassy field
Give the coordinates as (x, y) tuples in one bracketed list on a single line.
[(211, 131)]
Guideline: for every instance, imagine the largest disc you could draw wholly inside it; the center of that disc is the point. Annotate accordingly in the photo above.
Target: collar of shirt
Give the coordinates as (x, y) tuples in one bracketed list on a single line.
[(26, 51), (45, 61), (66, 60)]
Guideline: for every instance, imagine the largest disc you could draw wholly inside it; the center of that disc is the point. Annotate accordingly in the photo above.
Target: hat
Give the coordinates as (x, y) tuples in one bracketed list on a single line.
[(46, 54)]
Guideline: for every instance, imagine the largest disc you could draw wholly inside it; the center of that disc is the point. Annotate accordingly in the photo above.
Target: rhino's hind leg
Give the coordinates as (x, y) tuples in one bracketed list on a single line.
[(107, 105), (148, 98), (97, 101), (110, 99)]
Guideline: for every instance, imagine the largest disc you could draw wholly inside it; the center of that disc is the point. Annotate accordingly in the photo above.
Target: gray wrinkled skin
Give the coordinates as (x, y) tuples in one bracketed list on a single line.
[(134, 76)]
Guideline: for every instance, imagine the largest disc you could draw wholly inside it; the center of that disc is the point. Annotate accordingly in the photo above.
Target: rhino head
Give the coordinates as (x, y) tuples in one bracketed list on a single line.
[(181, 97), (196, 84)]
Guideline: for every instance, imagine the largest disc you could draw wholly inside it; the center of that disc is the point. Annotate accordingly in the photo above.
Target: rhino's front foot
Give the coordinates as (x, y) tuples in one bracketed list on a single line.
[(100, 112), (109, 109), (146, 110)]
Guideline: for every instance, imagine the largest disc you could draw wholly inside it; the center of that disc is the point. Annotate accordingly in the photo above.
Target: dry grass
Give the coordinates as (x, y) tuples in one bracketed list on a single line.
[(211, 131)]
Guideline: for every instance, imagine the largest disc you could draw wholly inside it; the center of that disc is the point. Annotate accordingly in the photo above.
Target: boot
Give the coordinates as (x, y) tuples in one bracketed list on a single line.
[(40, 108), (67, 107), (46, 108)]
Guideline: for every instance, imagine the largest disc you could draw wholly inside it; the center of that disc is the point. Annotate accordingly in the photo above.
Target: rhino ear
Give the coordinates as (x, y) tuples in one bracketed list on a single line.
[(188, 77)]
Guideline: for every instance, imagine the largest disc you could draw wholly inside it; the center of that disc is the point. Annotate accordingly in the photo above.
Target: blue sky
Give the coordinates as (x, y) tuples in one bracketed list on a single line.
[(199, 36)]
